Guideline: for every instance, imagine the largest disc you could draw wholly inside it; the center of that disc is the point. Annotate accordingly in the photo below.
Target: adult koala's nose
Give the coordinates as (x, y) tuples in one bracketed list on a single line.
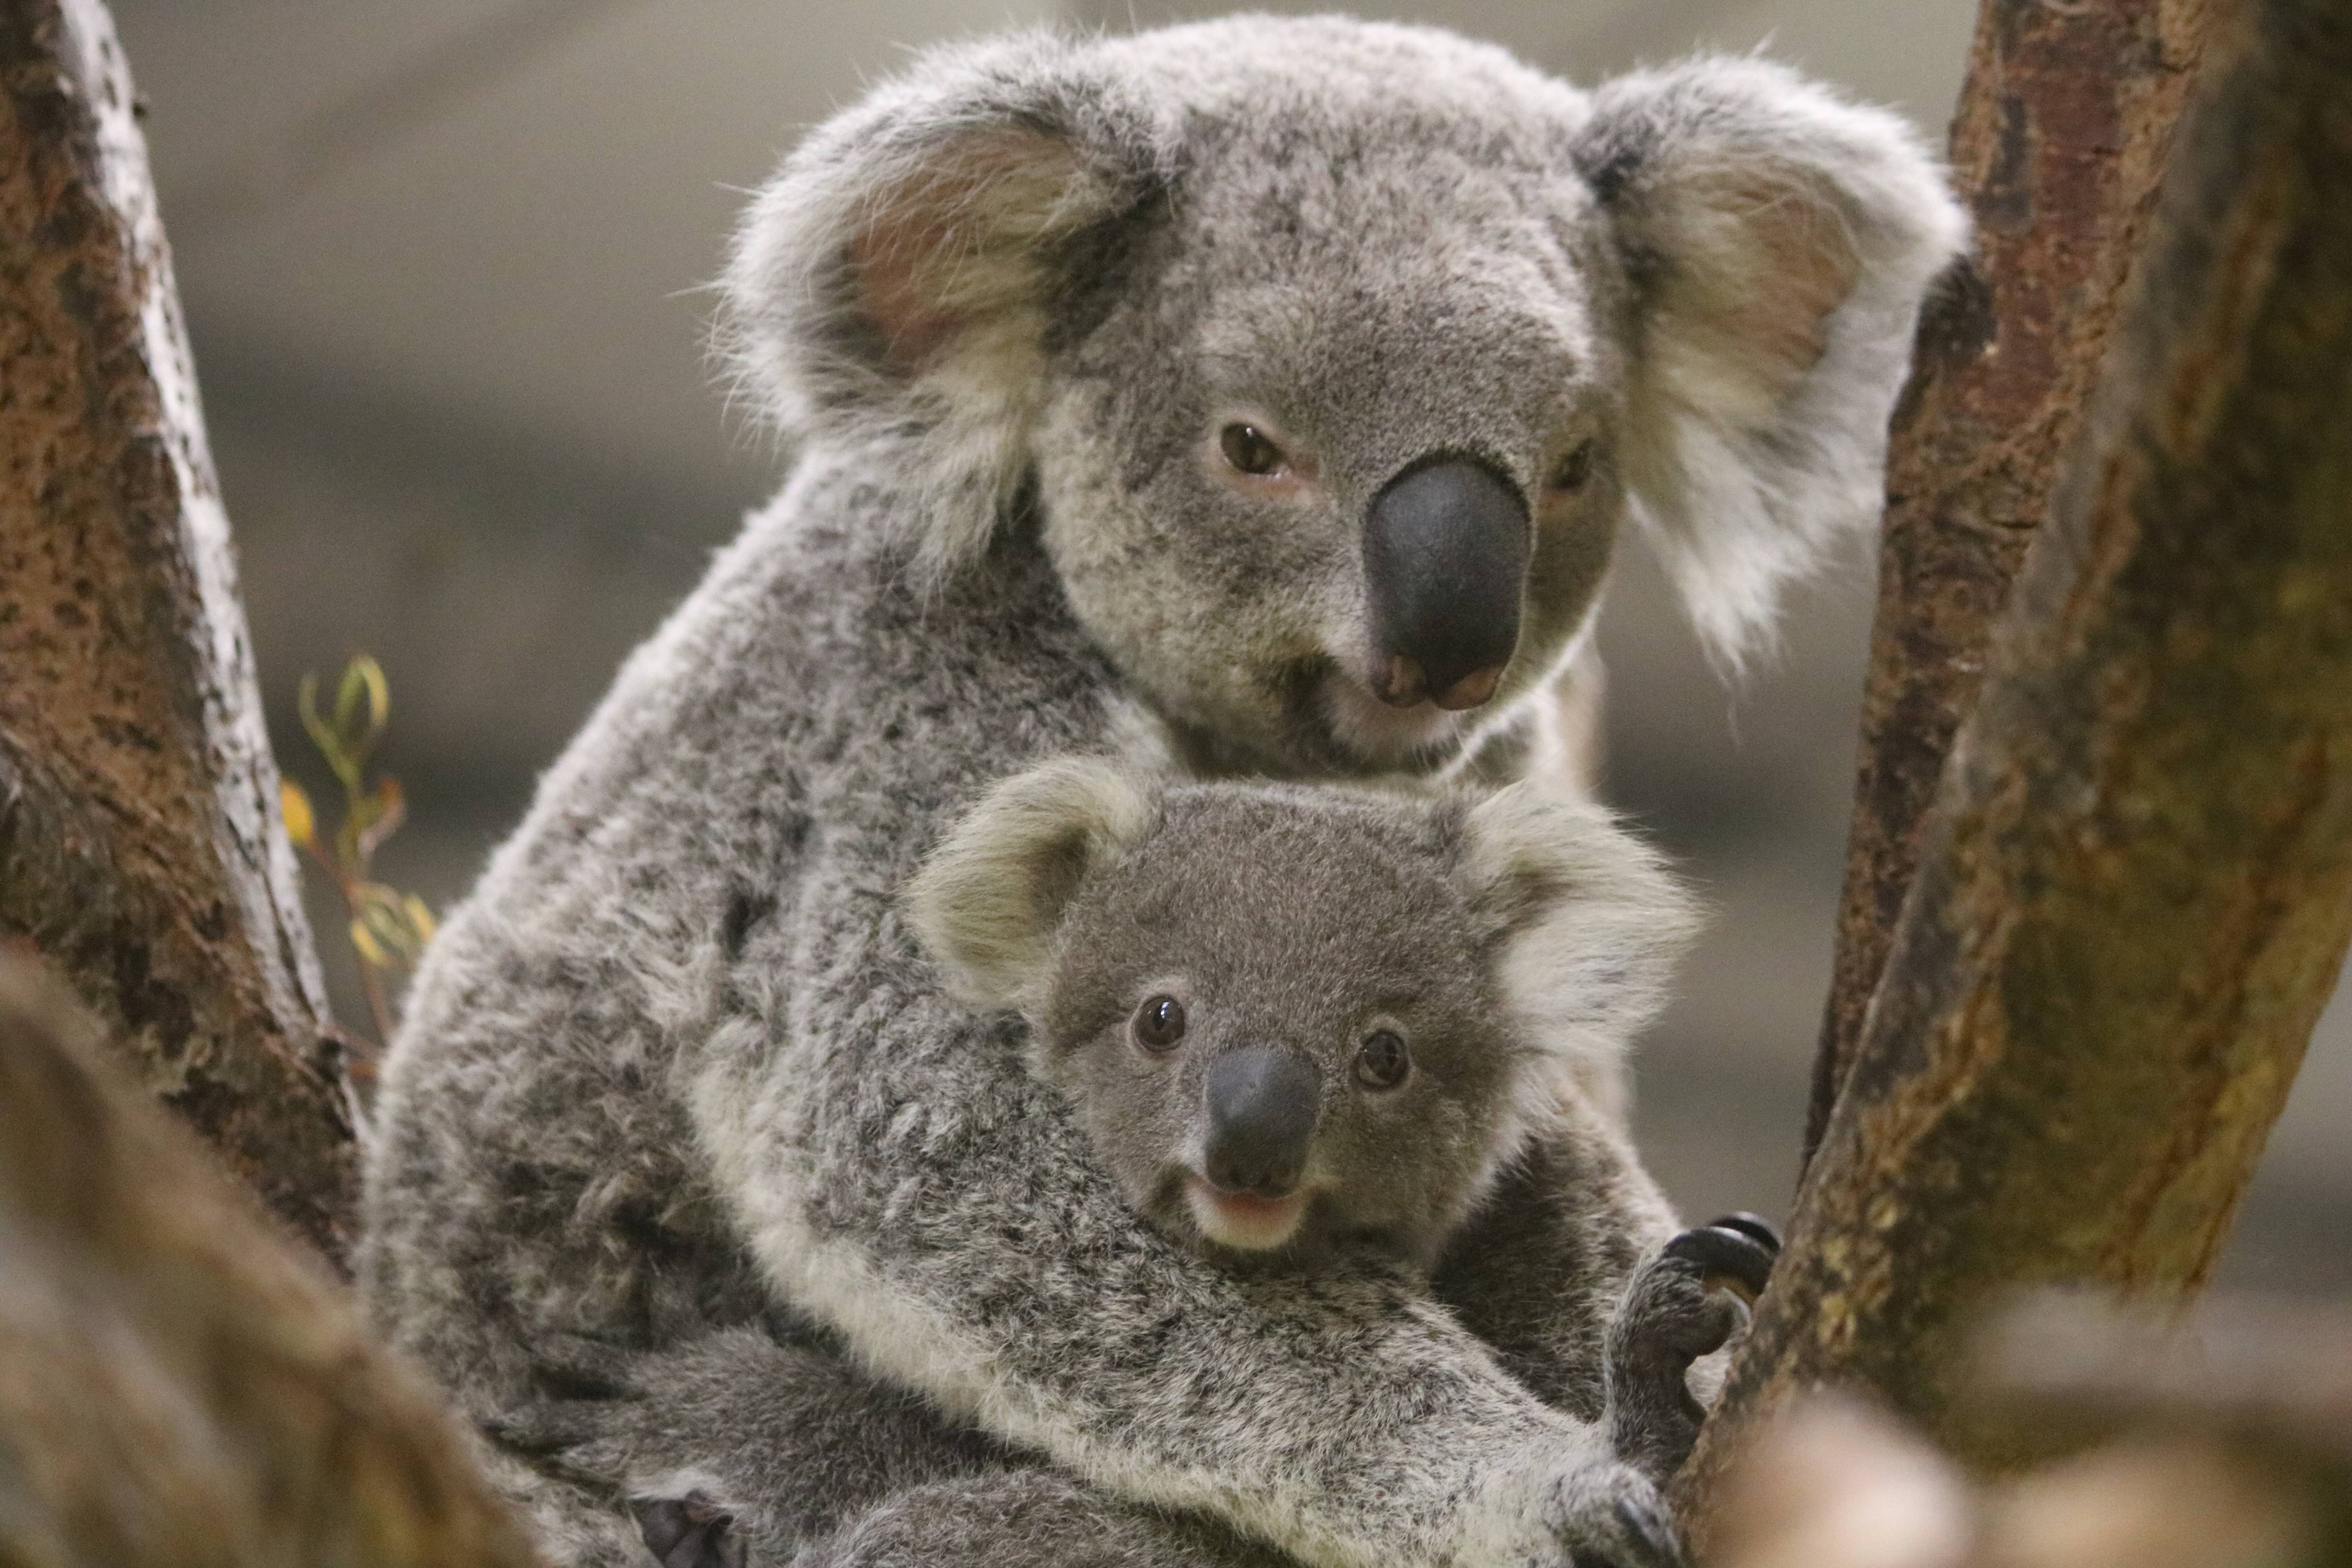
[(1445, 558), (1262, 1109)]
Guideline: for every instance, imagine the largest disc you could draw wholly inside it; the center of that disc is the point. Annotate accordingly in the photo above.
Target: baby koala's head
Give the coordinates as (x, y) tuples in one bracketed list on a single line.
[(1292, 1018)]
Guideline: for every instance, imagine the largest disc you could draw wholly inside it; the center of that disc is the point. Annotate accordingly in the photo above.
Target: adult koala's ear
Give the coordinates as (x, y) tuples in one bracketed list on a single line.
[(1586, 924), (888, 288), (1779, 241), (988, 901)]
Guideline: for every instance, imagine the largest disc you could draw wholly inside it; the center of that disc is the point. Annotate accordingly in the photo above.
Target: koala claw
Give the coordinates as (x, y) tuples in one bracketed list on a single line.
[(691, 1531), (1729, 1255), (1636, 1533), (1756, 1227), (1653, 1533), (542, 1430)]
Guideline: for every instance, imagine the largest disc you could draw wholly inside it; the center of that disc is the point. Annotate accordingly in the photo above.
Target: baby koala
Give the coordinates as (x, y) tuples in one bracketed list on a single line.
[(1293, 1019)]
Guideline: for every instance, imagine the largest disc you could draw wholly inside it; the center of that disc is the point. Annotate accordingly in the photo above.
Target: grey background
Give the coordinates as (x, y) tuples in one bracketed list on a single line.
[(443, 264)]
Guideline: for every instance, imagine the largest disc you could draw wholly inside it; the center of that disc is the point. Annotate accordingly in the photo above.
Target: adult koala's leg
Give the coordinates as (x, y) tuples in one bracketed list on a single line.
[(1035, 1518), (735, 1444)]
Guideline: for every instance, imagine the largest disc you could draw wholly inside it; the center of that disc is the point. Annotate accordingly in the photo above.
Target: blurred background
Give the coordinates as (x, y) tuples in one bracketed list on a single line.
[(442, 266)]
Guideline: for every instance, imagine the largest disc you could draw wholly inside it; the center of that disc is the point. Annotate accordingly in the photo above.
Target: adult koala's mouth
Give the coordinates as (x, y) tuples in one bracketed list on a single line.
[(1332, 724), (1380, 733)]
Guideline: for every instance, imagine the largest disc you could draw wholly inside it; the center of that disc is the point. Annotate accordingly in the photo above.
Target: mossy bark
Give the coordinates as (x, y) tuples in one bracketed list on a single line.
[(141, 848), (2059, 144), (2136, 885)]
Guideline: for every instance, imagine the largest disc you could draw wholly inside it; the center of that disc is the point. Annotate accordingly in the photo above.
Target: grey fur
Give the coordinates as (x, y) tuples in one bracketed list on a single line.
[(677, 1060), (1302, 916)]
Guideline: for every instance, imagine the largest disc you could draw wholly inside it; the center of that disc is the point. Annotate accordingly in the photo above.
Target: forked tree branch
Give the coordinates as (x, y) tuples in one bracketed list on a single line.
[(2059, 142), (2136, 887)]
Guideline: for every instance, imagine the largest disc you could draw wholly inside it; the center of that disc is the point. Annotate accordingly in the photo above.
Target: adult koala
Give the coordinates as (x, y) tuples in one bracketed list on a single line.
[(1265, 392)]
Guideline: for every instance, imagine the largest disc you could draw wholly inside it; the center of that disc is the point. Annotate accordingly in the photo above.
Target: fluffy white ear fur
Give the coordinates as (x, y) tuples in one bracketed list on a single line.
[(989, 900), (1591, 923), (1781, 241), (886, 290)]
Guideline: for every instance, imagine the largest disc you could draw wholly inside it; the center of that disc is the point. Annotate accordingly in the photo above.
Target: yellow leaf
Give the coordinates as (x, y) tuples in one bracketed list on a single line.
[(369, 948), (300, 826), (420, 917), (379, 816)]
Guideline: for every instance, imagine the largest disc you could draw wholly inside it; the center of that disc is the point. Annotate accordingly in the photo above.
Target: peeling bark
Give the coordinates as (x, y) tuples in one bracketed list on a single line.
[(2136, 887), (2060, 140), (141, 849)]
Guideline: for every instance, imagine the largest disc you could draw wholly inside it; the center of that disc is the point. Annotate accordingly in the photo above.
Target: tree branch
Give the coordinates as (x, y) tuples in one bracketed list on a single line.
[(2135, 888), (2061, 136), (140, 842)]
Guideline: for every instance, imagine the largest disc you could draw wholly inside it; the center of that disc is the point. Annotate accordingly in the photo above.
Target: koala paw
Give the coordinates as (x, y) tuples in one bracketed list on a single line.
[(691, 1532), (1685, 1303), (1589, 1513)]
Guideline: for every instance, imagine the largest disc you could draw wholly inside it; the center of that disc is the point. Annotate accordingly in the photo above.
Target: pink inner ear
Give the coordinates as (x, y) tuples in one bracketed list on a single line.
[(891, 260), (1809, 261), (951, 242)]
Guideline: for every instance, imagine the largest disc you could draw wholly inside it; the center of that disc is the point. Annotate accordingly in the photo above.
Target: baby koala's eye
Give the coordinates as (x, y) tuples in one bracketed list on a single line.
[(1159, 1023), (1249, 449), (1383, 1061), (1573, 468)]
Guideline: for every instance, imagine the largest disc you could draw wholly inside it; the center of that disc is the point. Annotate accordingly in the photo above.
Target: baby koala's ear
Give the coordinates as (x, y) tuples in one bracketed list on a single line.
[(1586, 922), (990, 898)]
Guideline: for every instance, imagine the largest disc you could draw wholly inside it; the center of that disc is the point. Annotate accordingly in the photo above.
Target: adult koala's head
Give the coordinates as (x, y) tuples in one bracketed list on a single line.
[(1337, 351)]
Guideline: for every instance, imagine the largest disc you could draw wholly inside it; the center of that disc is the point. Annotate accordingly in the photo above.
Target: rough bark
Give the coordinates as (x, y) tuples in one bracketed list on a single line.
[(139, 841), (2059, 141), (2136, 886)]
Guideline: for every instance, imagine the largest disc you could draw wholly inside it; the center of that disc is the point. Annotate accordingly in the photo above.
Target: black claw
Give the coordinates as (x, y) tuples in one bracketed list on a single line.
[(1754, 1226), (1660, 1546), (1733, 1255), (537, 1435)]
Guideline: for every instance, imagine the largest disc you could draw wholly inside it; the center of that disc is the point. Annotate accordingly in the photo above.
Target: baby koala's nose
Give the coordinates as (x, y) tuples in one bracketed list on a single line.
[(1262, 1110)]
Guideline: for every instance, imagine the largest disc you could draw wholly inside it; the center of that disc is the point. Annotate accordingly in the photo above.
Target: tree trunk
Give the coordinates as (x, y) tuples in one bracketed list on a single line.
[(2136, 886), (2060, 138), (178, 1386), (141, 849)]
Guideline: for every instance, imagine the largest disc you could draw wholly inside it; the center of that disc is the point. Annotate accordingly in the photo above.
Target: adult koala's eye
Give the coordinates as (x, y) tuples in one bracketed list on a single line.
[(1159, 1023), (1249, 449), (1383, 1061), (1573, 468)]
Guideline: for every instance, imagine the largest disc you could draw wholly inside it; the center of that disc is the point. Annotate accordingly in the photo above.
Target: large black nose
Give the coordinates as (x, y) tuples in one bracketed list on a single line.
[(1446, 557), (1262, 1106)]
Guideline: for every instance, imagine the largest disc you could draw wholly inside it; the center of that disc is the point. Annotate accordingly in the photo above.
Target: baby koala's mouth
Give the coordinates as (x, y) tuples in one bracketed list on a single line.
[(1244, 1220)]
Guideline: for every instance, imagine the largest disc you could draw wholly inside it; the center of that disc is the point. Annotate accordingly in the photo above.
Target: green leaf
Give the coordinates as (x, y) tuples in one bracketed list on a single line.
[(346, 767), (363, 704)]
